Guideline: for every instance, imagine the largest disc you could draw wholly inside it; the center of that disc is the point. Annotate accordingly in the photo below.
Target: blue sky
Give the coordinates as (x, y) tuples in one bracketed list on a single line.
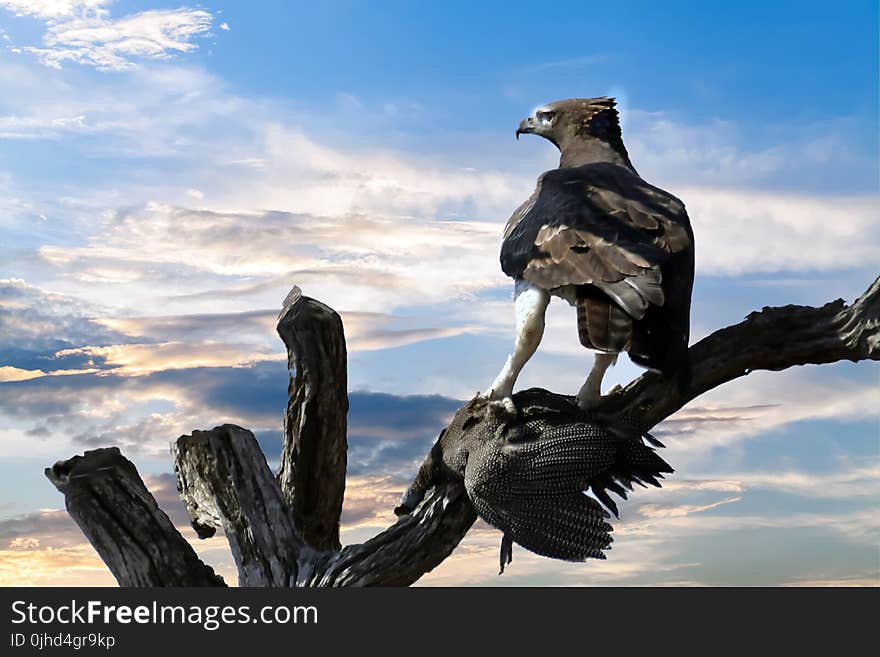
[(168, 172)]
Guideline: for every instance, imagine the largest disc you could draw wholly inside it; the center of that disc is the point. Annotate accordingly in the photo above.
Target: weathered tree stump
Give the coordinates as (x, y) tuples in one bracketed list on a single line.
[(284, 530)]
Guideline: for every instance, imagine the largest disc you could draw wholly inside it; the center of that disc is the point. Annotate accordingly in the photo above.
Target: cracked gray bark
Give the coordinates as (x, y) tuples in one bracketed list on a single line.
[(225, 482), (314, 454), (283, 531), (107, 498)]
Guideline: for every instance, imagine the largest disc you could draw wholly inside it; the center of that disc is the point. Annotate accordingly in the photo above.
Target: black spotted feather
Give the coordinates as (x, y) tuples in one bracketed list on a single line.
[(532, 483)]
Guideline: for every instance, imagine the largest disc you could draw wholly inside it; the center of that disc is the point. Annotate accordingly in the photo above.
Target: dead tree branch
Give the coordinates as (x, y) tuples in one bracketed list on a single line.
[(284, 530), (314, 455), (224, 481), (772, 339), (107, 498)]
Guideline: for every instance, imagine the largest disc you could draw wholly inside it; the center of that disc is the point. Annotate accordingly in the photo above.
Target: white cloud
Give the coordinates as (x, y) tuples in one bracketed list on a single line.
[(861, 580), (53, 9), (302, 174), (681, 510), (113, 45), (763, 402), (140, 359), (154, 111), (36, 319), (14, 127), (673, 150), (366, 262), (136, 346), (9, 373), (276, 164), (82, 32), (739, 231), (847, 483)]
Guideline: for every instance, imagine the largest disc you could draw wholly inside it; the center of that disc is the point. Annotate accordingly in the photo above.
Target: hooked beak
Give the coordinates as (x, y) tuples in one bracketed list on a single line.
[(526, 126)]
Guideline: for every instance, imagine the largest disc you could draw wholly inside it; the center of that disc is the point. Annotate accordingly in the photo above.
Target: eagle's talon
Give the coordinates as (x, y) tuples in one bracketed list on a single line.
[(505, 405), (588, 403)]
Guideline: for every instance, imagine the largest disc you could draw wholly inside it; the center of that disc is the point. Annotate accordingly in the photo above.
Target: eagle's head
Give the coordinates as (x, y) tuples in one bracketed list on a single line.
[(577, 123)]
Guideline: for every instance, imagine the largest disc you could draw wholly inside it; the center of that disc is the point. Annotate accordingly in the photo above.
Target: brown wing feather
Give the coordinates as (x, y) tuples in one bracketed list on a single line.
[(624, 245), (599, 225)]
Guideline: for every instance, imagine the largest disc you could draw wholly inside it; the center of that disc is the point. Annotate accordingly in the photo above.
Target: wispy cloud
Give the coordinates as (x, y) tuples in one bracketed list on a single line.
[(845, 483), (54, 9), (82, 32), (570, 62), (740, 411), (781, 229), (681, 510), (359, 262), (139, 359)]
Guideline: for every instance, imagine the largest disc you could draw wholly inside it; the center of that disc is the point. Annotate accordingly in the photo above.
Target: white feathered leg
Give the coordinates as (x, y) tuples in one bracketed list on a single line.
[(591, 392), (531, 305)]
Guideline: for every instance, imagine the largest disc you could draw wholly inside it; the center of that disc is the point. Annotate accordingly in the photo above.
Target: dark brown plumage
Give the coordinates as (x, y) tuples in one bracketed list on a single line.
[(594, 232)]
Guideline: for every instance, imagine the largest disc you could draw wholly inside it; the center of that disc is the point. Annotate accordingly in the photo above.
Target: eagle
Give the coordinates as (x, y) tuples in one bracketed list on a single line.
[(599, 236)]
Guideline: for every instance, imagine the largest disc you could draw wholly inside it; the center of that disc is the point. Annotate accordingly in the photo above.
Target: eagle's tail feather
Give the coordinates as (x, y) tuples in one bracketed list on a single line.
[(602, 325)]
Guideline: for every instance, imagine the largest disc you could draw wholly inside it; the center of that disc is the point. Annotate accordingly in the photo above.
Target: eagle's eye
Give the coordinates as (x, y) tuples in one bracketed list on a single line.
[(545, 116)]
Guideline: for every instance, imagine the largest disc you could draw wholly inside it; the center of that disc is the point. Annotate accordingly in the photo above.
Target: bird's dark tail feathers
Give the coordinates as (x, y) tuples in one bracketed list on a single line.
[(602, 325), (537, 490), (637, 463)]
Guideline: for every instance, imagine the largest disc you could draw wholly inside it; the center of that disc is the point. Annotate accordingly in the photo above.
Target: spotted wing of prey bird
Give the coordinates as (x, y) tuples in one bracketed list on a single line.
[(545, 481), (596, 234)]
